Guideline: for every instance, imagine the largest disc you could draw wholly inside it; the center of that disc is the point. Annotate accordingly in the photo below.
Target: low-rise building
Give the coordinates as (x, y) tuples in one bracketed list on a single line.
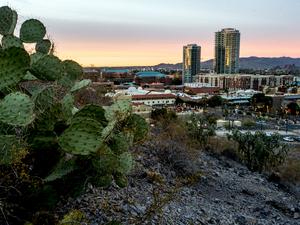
[(154, 99), (244, 81)]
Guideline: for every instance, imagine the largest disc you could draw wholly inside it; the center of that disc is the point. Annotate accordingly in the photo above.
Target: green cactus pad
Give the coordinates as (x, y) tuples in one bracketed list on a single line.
[(6, 20), (29, 77), (82, 138), (125, 163), (105, 163), (72, 70), (14, 63), (93, 112), (102, 181), (17, 109), (119, 143), (36, 57), (63, 168), (119, 111), (43, 46), (14, 22), (121, 180), (107, 132), (68, 105), (9, 147), (32, 31), (48, 67), (9, 41), (81, 84), (138, 126)]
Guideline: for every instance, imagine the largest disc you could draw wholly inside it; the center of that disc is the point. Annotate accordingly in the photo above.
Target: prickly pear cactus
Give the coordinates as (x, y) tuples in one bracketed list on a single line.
[(32, 31), (8, 20), (82, 137), (48, 68), (38, 113), (14, 62), (17, 109), (9, 41), (43, 46)]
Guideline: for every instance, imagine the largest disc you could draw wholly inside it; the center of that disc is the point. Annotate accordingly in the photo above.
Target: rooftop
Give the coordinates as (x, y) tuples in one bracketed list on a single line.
[(150, 74)]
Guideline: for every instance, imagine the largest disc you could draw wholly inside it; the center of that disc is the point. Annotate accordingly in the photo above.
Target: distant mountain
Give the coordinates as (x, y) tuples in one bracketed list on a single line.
[(257, 63)]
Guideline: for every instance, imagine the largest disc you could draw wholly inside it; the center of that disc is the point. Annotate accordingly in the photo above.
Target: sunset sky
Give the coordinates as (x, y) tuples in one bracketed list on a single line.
[(148, 32)]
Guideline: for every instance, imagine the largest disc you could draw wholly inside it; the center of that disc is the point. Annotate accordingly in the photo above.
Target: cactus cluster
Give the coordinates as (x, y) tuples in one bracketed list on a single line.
[(37, 108)]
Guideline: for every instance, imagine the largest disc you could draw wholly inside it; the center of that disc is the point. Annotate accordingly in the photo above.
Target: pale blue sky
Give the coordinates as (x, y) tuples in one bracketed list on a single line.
[(93, 27)]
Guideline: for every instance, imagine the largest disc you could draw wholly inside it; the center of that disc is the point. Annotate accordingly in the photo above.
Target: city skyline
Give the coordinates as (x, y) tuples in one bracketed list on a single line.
[(119, 33)]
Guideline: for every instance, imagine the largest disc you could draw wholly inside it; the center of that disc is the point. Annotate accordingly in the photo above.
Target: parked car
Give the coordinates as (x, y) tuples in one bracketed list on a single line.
[(288, 139)]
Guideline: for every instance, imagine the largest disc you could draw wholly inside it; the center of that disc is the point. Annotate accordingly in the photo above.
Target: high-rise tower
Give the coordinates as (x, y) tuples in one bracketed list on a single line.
[(191, 62), (227, 51)]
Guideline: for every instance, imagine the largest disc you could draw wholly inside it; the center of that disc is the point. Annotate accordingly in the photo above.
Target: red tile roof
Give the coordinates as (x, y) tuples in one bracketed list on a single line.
[(153, 96)]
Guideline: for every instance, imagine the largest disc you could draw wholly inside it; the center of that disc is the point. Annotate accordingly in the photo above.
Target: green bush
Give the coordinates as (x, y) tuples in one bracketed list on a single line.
[(259, 151)]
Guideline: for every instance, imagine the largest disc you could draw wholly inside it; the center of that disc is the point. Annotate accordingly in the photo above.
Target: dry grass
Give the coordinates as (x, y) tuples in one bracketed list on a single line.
[(222, 146), (290, 170)]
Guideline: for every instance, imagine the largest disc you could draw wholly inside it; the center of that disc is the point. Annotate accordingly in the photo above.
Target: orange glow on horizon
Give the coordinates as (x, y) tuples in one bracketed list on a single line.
[(149, 54)]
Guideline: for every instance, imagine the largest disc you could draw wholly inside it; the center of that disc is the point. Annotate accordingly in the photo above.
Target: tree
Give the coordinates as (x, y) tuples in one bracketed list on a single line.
[(199, 129), (215, 101), (261, 102), (259, 151)]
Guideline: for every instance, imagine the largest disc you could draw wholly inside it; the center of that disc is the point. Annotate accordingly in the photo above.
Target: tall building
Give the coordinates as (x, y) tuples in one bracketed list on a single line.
[(191, 62), (227, 51)]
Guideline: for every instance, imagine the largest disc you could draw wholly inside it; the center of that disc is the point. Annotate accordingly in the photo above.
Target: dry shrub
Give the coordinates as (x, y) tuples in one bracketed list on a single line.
[(175, 149), (91, 96), (290, 171), (223, 146)]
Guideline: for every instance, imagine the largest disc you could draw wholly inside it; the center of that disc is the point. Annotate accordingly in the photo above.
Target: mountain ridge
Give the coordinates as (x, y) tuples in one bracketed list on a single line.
[(252, 62)]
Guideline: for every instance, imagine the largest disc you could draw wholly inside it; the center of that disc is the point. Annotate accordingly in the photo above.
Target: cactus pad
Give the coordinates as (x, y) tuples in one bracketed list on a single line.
[(121, 180), (68, 105), (125, 163), (36, 57), (105, 163), (63, 168), (93, 112), (82, 138), (28, 76), (14, 63), (48, 67), (102, 181), (119, 143), (6, 20), (138, 126), (11, 41), (16, 109), (81, 84), (14, 22), (72, 70), (32, 31), (43, 46), (119, 111)]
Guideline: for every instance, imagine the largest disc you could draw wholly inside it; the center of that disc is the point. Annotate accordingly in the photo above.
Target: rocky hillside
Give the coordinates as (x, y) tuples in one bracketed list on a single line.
[(224, 192)]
